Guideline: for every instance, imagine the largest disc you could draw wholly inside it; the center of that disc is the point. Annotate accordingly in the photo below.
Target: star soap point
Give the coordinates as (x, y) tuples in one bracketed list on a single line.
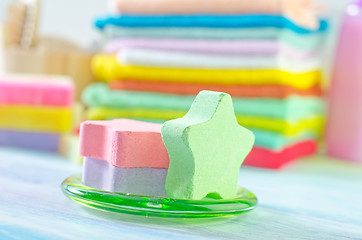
[(206, 148)]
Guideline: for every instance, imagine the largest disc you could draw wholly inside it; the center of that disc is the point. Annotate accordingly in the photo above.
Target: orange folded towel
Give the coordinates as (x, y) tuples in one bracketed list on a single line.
[(267, 91)]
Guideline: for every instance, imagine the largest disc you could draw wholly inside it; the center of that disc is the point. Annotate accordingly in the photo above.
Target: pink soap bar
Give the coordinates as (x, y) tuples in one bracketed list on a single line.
[(124, 143), (36, 90)]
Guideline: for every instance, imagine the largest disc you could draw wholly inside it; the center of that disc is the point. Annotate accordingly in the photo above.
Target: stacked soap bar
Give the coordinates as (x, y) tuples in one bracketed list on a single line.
[(124, 155), (155, 63), (35, 111)]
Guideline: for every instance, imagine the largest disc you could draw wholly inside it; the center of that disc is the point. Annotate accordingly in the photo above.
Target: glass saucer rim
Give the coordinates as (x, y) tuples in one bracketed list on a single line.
[(74, 181)]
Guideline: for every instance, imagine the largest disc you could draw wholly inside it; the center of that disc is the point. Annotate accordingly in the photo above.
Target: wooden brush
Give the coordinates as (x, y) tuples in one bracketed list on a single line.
[(21, 23)]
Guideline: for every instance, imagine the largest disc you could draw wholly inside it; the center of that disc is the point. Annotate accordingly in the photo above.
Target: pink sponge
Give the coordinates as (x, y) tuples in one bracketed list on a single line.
[(124, 143), (36, 90)]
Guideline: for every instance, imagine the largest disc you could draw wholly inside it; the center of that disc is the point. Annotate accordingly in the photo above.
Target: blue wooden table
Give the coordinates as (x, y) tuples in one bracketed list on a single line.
[(315, 198)]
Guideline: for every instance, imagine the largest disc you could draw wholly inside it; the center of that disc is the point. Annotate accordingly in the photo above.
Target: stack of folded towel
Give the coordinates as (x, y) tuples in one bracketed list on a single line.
[(160, 54), (35, 111)]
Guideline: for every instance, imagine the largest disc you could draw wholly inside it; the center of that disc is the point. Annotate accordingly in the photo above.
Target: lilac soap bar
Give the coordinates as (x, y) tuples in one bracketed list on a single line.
[(104, 176), (30, 140)]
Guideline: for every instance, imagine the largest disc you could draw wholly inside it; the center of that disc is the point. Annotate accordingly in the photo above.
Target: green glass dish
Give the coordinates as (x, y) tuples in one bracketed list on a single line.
[(157, 206)]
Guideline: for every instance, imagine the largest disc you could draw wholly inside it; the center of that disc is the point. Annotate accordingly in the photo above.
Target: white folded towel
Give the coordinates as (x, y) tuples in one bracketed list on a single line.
[(184, 60)]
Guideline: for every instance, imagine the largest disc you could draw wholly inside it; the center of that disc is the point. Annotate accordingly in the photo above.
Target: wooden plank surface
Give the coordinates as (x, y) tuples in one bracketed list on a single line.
[(316, 198)]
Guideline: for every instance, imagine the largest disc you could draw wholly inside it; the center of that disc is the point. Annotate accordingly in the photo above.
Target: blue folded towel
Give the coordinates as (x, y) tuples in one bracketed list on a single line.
[(206, 21)]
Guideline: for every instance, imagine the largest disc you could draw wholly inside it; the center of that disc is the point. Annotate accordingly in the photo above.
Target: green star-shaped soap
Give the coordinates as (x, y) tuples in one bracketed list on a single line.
[(206, 148)]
